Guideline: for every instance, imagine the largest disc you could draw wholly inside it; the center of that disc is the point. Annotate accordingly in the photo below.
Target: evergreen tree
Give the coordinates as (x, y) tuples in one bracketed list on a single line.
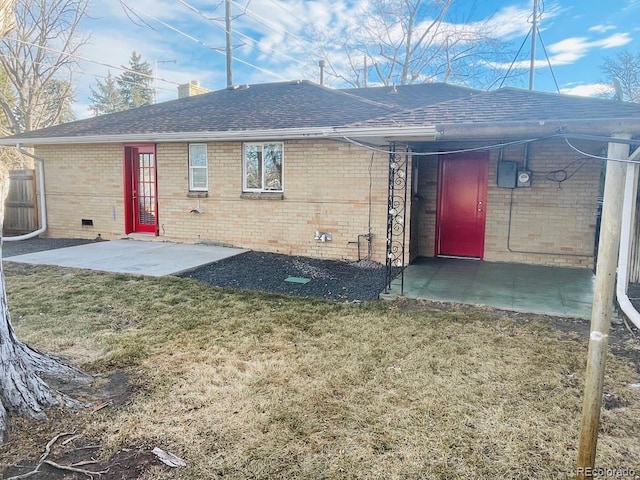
[(106, 98), (136, 84)]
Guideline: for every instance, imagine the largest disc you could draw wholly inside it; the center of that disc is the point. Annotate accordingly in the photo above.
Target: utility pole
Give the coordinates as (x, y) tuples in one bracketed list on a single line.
[(602, 305), (227, 27), (534, 31)]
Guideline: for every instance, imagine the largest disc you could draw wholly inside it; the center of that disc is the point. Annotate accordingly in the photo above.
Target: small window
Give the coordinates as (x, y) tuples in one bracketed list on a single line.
[(262, 167), (198, 168)]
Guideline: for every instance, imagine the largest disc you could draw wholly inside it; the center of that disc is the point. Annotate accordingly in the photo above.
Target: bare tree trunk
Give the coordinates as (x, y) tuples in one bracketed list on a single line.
[(23, 370)]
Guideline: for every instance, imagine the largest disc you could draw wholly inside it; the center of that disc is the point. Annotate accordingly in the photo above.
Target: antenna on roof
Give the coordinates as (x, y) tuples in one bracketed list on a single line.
[(228, 54), (618, 89), (321, 64), (534, 31)]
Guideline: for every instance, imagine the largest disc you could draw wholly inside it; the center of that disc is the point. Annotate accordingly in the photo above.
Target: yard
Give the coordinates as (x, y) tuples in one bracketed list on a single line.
[(250, 385)]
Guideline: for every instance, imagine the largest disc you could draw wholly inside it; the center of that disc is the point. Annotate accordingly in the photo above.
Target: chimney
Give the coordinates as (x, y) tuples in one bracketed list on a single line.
[(191, 89)]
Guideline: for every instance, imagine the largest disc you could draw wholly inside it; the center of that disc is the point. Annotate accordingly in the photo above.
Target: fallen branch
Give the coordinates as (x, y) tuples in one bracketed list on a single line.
[(50, 443), (71, 439), (169, 458), (90, 473), (84, 462), (97, 408)]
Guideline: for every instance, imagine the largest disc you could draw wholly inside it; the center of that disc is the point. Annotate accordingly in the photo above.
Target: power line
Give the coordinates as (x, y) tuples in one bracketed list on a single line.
[(217, 23), (264, 22), (85, 59), (200, 42), (82, 72), (448, 152), (279, 5)]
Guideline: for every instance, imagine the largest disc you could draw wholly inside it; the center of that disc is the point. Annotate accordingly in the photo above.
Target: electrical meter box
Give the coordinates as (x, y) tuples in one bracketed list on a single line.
[(524, 178), (507, 174)]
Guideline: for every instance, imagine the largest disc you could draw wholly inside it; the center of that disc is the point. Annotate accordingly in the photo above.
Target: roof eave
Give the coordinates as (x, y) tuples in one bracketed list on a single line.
[(388, 133), (537, 128), (167, 137)]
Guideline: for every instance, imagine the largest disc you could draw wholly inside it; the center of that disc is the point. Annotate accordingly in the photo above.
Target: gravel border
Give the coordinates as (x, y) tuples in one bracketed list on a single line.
[(266, 272)]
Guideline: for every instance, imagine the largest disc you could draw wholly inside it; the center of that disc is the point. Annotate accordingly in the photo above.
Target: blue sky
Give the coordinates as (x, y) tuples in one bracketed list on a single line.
[(271, 39)]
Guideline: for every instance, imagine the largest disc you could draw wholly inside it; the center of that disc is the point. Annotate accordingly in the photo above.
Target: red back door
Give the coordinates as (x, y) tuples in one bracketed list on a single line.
[(462, 199), (141, 203)]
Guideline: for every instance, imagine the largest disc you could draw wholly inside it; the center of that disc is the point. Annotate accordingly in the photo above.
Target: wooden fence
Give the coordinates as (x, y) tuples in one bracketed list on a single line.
[(21, 205)]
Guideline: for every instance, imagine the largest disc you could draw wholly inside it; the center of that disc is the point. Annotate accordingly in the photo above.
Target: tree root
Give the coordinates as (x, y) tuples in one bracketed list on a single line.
[(23, 389), (44, 461), (23, 369)]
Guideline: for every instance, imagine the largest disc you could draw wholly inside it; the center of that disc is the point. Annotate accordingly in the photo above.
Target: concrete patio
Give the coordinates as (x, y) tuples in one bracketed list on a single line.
[(130, 256), (559, 291)]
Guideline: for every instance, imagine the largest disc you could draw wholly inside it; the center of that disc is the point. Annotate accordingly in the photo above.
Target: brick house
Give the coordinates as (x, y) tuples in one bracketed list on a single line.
[(385, 173)]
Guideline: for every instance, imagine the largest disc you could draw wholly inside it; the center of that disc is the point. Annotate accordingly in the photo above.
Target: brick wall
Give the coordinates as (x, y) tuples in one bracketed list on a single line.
[(552, 223), (326, 188)]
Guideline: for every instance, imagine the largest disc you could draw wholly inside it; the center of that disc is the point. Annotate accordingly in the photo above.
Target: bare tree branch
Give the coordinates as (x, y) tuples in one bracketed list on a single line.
[(409, 41), (35, 71)]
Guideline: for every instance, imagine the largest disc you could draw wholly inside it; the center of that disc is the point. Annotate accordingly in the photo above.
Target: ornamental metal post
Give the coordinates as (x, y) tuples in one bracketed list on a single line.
[(396, 214)]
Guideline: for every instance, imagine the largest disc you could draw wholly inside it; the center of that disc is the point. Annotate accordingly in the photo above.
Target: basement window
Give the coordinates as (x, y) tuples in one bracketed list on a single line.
[(262, 167), (198, 168)]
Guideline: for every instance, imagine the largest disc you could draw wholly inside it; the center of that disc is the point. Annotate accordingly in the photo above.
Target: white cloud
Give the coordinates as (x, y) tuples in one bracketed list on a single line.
[(615, 40), (570, 50), (602, 28), (589, 90)]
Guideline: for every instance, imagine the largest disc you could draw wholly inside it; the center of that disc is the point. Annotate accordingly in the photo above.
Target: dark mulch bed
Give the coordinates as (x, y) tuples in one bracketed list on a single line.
[(266, 272)]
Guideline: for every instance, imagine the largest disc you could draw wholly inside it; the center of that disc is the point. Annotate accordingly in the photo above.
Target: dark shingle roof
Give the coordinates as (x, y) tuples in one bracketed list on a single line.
[(509, 105), (291, 105), (412, 96), (256, 107)]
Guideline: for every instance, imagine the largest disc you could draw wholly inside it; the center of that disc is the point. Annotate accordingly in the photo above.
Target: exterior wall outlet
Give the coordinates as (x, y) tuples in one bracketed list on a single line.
[(322, 236)]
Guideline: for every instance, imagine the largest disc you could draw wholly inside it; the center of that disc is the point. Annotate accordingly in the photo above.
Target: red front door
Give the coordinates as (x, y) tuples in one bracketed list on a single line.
[(141, 204), (462, 199)]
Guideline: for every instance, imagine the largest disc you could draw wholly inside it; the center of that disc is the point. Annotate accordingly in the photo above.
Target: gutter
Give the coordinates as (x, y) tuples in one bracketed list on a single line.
[(423, 132), (504, 130), (626, 235), (287, 134), (43, 205)]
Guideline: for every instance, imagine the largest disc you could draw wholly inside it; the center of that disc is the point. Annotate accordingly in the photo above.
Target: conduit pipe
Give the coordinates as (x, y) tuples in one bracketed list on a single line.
[(626, 232), (43, 205)]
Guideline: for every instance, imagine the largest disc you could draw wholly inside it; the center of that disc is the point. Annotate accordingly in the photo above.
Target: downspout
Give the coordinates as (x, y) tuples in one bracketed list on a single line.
[(43, 205), (626, 232)]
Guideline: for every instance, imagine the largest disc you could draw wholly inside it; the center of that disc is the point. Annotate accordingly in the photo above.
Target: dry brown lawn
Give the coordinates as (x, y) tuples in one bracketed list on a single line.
[(244, 385)]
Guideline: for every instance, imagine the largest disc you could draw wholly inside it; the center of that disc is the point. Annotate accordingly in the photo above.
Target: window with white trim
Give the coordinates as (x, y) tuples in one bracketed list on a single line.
[(262, 166), (198, 168)]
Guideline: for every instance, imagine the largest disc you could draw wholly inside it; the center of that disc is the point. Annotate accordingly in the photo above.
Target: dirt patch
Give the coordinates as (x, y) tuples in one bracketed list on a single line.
[(68, 450), (81, 454)]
